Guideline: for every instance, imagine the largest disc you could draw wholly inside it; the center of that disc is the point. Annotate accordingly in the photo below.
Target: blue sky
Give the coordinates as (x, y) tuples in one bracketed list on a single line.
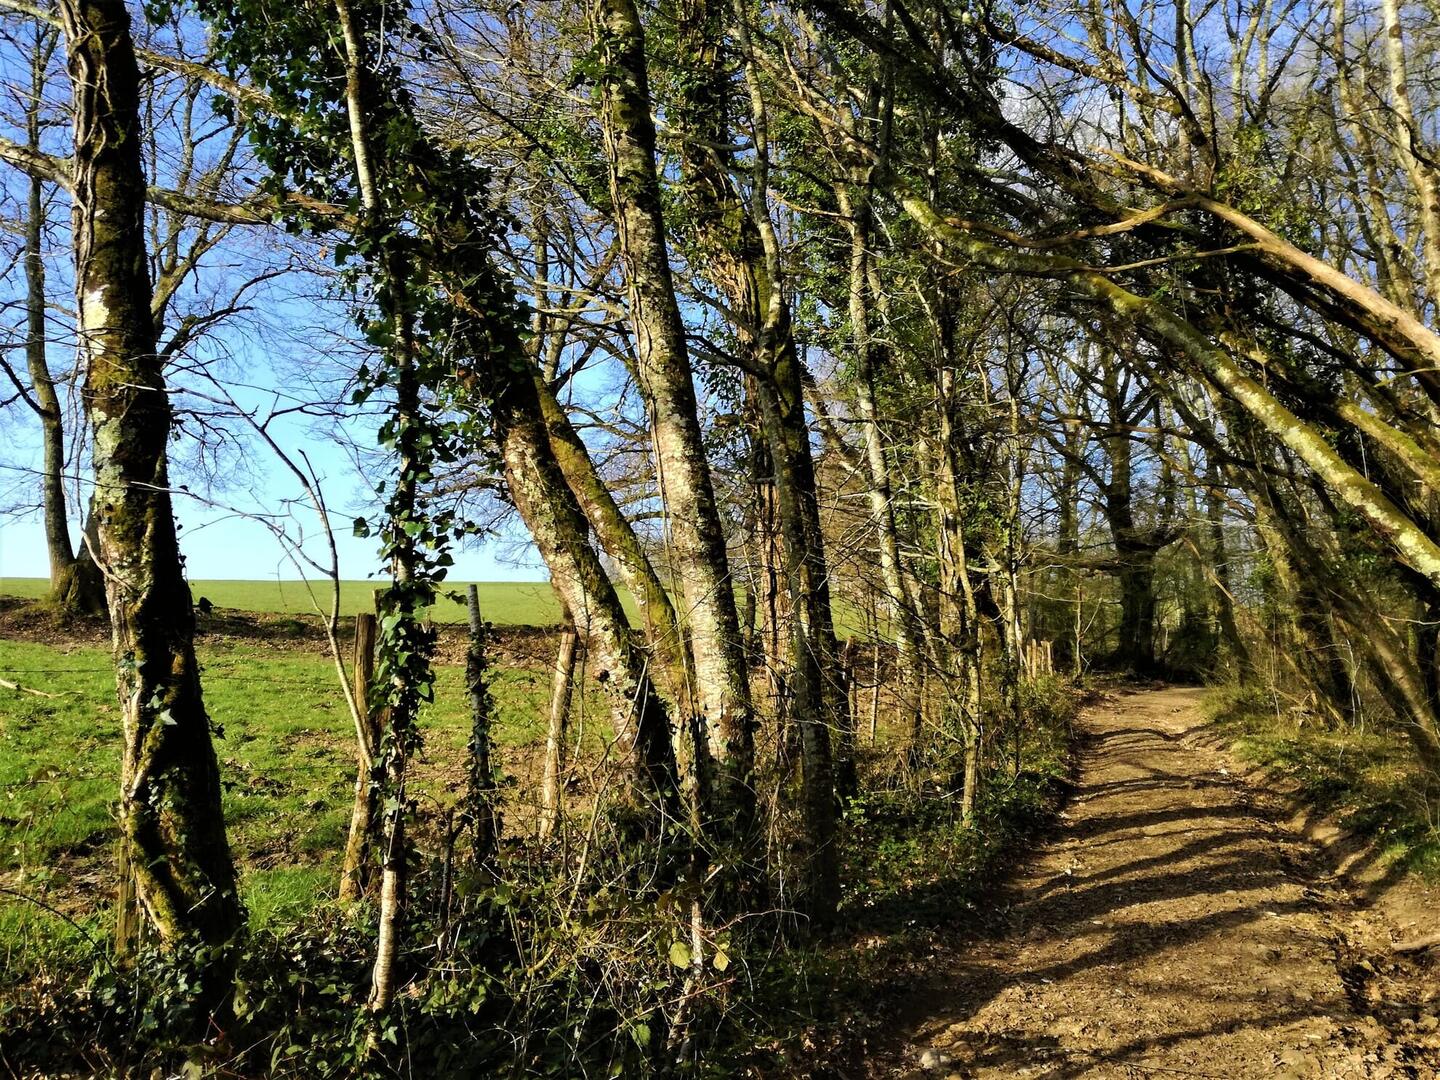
[(294, 349), (218, 542)]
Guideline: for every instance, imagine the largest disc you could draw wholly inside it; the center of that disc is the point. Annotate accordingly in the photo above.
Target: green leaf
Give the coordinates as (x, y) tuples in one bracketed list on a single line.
[(680, 954)]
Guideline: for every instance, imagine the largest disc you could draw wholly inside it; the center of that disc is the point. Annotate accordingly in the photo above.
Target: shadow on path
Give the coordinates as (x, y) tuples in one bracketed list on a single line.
[(1168, 927)]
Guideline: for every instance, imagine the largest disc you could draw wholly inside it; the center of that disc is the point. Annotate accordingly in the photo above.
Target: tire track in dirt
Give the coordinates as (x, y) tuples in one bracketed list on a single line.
[(1169, 929)]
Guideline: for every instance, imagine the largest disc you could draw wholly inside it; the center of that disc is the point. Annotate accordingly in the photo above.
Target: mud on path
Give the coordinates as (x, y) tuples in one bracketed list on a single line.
[(1169, 928)]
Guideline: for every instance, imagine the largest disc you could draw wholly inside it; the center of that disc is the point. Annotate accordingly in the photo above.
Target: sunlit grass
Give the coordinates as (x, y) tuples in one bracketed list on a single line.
[(1366, 778), (505, 603), (285, 742)]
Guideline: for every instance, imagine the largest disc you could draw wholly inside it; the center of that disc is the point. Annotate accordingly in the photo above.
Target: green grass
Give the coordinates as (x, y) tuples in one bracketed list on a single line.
[(505, 603), (1366, 778), (286, 762)]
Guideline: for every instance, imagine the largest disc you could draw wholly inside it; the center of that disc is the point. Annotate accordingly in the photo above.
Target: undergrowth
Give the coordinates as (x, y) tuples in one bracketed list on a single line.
[(1365, 775), (913, 871), (537, 968)]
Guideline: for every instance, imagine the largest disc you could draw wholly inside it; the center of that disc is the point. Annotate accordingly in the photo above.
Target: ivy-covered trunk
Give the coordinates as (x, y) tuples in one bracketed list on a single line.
[(724, 763), (172, 832)]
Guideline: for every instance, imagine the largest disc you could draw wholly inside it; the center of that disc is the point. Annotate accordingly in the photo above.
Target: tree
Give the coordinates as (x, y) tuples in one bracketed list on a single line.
[(740, 252), (173, 841), (75, 582), (723, 735)]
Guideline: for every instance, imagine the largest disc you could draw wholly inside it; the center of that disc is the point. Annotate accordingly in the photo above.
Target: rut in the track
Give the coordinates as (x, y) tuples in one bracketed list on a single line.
[(1169, 929)]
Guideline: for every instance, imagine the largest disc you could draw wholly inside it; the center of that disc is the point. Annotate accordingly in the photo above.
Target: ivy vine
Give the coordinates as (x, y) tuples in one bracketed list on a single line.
[(416, 265)]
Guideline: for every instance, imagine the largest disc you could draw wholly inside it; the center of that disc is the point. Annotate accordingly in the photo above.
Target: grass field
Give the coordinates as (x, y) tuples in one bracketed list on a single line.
[(286, 751), (285, 743), (505, 603)]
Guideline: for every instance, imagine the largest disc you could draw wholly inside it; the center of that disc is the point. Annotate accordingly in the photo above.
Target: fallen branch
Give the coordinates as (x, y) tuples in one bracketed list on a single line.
[(8, 685)]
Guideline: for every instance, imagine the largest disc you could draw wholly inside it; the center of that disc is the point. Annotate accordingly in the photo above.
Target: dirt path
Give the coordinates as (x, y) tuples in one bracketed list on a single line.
[(1169, 929)]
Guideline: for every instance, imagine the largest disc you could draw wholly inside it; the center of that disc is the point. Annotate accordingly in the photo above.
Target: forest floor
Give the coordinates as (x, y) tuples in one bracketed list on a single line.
[(1176, 924)]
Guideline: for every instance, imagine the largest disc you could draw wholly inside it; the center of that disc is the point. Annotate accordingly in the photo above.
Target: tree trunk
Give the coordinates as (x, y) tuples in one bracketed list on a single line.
[(1304, 643), (1325, 652), (742, 259), (725, 750), (551, 780), (767, 647), (84, 591), (1222, 595), (1134, 549), (880, 490), (559, 529), (618, 538), (1417, 160), (817, 697), (397, 609), (405, 647), (78, 589), (962, 659), (172, 830), (1136, 652), (52, 469), (1398, 677)]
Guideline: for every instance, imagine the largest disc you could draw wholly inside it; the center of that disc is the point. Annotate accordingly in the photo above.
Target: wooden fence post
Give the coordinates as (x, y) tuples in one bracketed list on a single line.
[(481, 814), (355, 875)]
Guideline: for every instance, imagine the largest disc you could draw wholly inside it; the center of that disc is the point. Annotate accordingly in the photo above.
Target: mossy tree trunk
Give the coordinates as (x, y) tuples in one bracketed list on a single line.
[(172, 831), (741, 255), (553, 515), (619, 539), (724, 735)]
